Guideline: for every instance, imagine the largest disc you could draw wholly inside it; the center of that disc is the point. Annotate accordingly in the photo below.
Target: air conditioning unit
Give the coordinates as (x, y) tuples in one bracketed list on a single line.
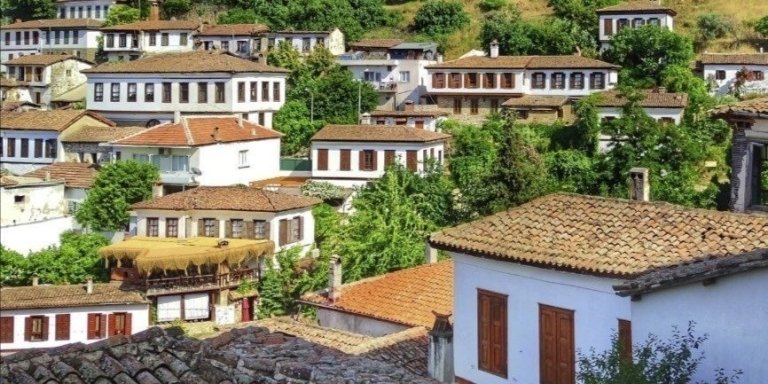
[(164, 151)]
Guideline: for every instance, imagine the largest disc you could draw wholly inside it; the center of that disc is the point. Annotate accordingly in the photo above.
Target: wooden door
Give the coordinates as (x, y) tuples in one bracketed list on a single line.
[(419, 124), (556, 346)]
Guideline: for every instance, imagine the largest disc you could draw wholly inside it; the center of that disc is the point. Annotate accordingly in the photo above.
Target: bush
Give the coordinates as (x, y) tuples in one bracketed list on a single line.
[(438, 17), (176, 8), (761, 26), (492, 5), (712, 26), (322, 190)]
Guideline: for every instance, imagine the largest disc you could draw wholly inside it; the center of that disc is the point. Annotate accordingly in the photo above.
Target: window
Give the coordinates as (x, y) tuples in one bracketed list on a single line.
[(51, 148), (489, 80), (120, 324), (625, 340), (411, 161), (474, 106), (80, 12), (166, 92), (10, 147), (389, 157), (455, 80), (88, 12), (179, 163), (26, 37), (98, 12), (183, 92), (457, 105), (36, 328), (654, 21), (276, 91), (153, 227), (18, 38), (296, 224), (152, 39), (470, 80), (171, 227), (66, 37), (183, 39), (47, 38), (577, 80), (270, 43), (19, 199), (254, 90), (494, 105), (149, 92), (220, 96), (114, 92), (110, 39), (36, 37), (492, 332), (24, 147), (241, 92), (666, 121), (438, 80), (322, 159), (637, 22), (131, 92), (367, 160), (123, 40), (405, 76), (98, 92), (539, 80), (291, 230), (75, 37), (210, 228), (262, 117), (242, 46), (720, 74), (235, 229), (6, 329), (202, 93), (320, 41), (265, 91), (596, 81), (621, 24), (344, 160), (7, 42), (558, 80), (225, 46), (38, 148), (141, 158), (164, 39), (758, 75), (110, 43), (507, 80), (305, 46), (242, 158), (260, 229)]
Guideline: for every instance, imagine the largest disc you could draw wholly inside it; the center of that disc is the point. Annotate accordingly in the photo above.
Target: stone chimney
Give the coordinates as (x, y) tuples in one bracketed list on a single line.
[(89, 285), (661, 89), (408, 106), (177, 117), (439, 58), (440, 360), (215, 134), (334, 286), (35, 280), (154, 10), (47, 175), (157, 191), (494, 49), (430, 254), (365, 119), (240, 121), (639, 186)]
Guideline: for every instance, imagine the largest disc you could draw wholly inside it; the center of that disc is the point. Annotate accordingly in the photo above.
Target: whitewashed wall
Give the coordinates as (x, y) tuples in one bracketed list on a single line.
[(723, 87), (665, 21), (523, 81), (70, 9), (219, 163), (654, 113), (34, 236), (430, 123), (40, 201), (78, 323), (733, 312), (596, 313), (6, 134)]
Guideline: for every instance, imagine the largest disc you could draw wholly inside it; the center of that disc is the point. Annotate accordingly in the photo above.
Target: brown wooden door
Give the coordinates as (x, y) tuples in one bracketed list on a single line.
[(556, 346), (419, 124)]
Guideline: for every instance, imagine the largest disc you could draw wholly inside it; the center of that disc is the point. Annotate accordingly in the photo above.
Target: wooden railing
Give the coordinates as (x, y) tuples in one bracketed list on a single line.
[(181, 283)]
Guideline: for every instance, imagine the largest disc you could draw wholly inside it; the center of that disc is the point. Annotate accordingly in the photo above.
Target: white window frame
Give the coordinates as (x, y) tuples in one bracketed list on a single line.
[(242, 158)]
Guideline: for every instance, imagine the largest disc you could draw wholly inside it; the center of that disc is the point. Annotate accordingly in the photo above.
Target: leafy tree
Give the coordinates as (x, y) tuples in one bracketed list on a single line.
[(116, 187), (285, 55), (238, 16), (371, 13), (322, 190), (175, 8), (492, 5), (672, 361), (572, 171), (761, 26), (284, 282), (439, 17), (14, 267), (294, 122), (644, 54), (712, 26), (28, 9), (121, 14), (583, 13), (520, 37)]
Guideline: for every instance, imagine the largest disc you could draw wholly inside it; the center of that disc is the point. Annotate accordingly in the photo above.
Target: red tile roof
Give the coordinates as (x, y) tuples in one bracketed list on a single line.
[(155, 25), (735, 58), (75, 175), (232, 30), (650, 99), (525, 62), (186, 62), (52, 120), (95, 134), (43, 59), (407, 297), (757, 106), (228, 199), (55, 23), (58, 296), (637, 7), (536, 101), (377, 133), (420, 113), (604, 236), (198, 131)]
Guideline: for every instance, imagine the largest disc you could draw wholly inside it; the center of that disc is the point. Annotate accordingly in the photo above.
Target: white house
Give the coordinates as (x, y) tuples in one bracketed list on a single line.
[(396, 69), (77, 37), (243, 40), (724, 297), (534, 284), (84, 9), (210, 151), (156, 88), (351, 155), (78, 179), (46, 316), (131, 41), (719, 70), (472, 87), (30, 139), (303, 41), (421, 119), (47, 76), (632, 14), (14, 91)]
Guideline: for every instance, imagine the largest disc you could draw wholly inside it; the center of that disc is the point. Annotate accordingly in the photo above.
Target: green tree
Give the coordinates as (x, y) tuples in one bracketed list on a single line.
[(644, 54), (175, 8), (27, 9), (121, 14), (14, 267), (238, 16), (439, 17), (284, 282), (285, 56), (761, 26), (492, 5), (552, 36), (712, 26), (293, 121), (116, 187), (581, 12)]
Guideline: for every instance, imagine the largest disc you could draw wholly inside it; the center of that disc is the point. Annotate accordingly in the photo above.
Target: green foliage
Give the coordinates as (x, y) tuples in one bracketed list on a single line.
[(175, 8), (644, 54), (672, 361), (439, 17), (712, 26), (238, 16), (116, 187), (121, 14), (285, 56), (293, 121), (284, 282), (582, 12), (322, 190), (71, 262), (572, 171), (328, 227), (27, 9), (492, 5), (761, 26)]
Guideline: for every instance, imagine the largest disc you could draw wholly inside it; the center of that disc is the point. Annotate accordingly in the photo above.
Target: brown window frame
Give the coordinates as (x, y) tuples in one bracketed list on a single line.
[(457, 105), (39, 144), (164, 40), (115, 328), (507, 80), (622, 23), (345, 160), (438, 80), (210, 225), (254, 91), (547, 350), (236, 229), (7, 326), (171, 227), (389, 157), (265, 91), (608, 27), (322, 159), (202, 92), (24, 144), (367, 160), (276, 91), (167, 92), (153, 227), (593, 83), (576, 80), (241, 92), (471, 80), (220, 92), (719, 74), (558, 80), (41, 323), (625, 339), (454, 80), (538, 80), (10, 146), (492, 355), (260, 229), (411, 160), (489, 80), (63, 326), (184, 92)]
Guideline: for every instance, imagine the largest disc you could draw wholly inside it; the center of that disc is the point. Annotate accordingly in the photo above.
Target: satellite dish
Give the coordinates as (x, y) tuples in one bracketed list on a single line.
[(196, 171), (152, 123)]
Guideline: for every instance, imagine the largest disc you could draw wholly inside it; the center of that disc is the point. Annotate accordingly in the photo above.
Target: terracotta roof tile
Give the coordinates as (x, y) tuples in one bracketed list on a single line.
[(198, 131), (536, 101), (735, 58), (17, 106), (605, 236), (425, 113), (753, 106), (52, 120), (43, 59), (228, 199), (232, 29), (55, 296), (650, 99), (6, 82), (155, 25), (94, 134), (637, 6), (375, 43), (55, 23), (524, 62), (186, 62), (377, 133), (408, 296), (75, 175)]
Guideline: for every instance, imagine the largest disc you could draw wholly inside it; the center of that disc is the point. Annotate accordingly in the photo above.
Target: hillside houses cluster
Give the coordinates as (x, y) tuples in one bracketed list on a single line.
[(506, 298)]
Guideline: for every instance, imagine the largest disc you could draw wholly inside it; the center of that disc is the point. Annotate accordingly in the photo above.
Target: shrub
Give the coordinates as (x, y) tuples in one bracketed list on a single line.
[(712, 26), (176, 8), (492, 5), (761, 26), (438, 17)]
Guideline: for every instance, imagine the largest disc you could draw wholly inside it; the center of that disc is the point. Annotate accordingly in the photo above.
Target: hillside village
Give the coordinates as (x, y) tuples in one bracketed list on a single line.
[(383, 191)]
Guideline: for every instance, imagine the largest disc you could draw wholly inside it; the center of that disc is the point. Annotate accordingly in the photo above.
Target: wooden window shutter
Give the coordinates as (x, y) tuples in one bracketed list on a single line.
[(92, 326), (283, 232), (344, 163), (128, 323), (111, 321), (266, 229), (200, 227), (248, 230), (301, 228), (62, 326), (322, 159), (492, 332), (557, 358), (45, 328), (6, 329), (608, 26), (361, 160), (411, 162), (484, 332), (228, 229), (28, 328), (625, 339), (216, 228), (374, 161), (103, 329), (389, 157)]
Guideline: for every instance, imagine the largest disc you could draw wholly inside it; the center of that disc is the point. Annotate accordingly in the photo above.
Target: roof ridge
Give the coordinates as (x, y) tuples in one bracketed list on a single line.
[(187, 131)]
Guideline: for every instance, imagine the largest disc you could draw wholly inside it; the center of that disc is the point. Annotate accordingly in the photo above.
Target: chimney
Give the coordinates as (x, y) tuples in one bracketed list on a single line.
[(494, 49), (240, 121), (408, 106), (439, 58), (430, 254), (154, 10), (157, 191), (89, 285), (661, 89), (176, 117), (334, 286), (365, 119), (215, 134), (639, 187), (35, 280), (47, 175), (440, 360)]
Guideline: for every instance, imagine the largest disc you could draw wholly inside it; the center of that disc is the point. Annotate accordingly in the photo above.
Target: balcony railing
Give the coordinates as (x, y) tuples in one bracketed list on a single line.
[(195, 282), (386, 86), (177, 177)]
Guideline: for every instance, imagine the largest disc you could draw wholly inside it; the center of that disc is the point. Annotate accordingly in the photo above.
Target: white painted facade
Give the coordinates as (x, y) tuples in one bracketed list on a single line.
[(37, 235), (84, 9), (523, 82), (397, 81), (78, 331), (632, 20), (357, 177), (733, 313), (46, 82), (188, 226), (722, 78), (429, 123), (259, 110), (130, 45), (52, 149), (657, 114), (32, 201), (18, 42), (304, 41), (596, 313), (21, 42)]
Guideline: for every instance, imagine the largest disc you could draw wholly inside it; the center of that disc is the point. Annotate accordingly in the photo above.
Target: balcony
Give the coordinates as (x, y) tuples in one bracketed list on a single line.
[(177, 177), (385, 86), (165, 285)]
